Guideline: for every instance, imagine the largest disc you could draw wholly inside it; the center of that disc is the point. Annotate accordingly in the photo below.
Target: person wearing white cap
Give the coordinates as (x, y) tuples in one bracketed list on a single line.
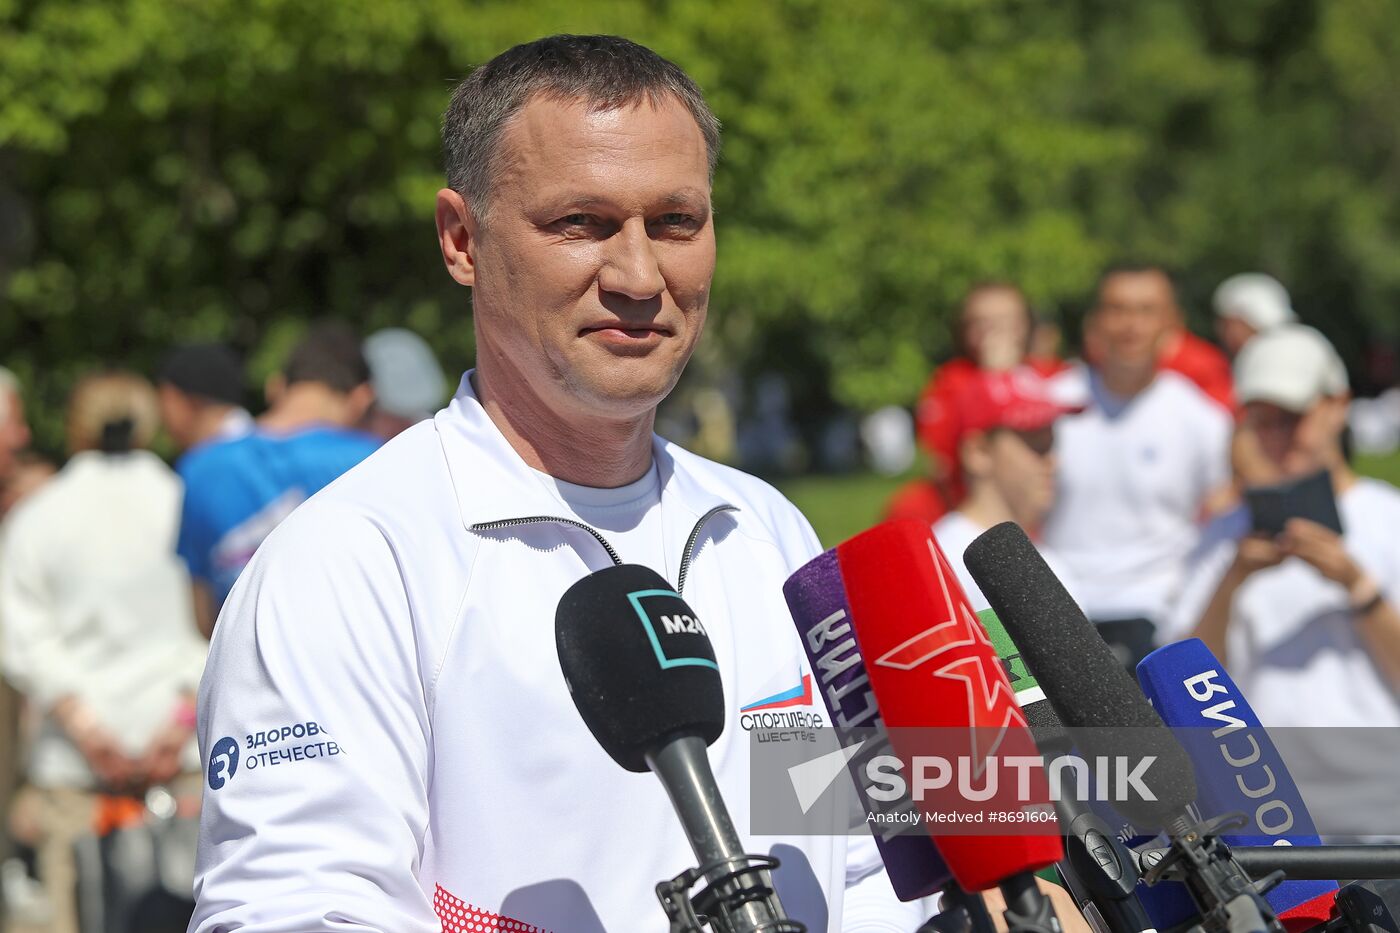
[(1306, 621), (1247, 304), (408, 382)]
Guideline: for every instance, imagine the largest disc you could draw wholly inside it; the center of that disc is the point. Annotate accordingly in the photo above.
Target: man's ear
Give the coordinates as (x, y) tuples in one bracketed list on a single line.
[(1338, 406), (975, 453), (273, 388), (457, 236), (1092, 350), (358, 402)]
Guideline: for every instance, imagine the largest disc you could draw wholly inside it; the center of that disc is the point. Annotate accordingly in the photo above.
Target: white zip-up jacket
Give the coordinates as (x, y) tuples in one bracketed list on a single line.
[(389, 740)]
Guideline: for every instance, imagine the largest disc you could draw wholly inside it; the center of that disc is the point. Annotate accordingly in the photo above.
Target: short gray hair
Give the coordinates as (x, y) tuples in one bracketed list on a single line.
[(605, 72)]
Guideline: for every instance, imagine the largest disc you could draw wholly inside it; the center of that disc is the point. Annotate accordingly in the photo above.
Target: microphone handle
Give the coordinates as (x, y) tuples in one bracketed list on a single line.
[(1027, 909), (1101, 874), (1105, 869), (1098, 869), (683, 765), (962, 913)]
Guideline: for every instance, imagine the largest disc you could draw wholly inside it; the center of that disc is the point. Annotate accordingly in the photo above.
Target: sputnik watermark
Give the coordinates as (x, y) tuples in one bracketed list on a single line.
[(1113, 779), (933, 779), (902, 818), (1067, 777)]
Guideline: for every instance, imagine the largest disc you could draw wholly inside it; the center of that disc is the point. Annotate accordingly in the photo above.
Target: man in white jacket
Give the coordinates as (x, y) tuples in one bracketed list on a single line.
[(389, 741)]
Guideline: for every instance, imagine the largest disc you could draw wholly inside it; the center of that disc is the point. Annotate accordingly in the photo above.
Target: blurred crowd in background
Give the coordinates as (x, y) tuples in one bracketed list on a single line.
[(114, 568), (1128, 464)]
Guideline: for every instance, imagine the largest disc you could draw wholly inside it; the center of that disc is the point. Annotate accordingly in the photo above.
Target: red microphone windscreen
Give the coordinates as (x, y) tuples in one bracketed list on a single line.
[(931, 664)]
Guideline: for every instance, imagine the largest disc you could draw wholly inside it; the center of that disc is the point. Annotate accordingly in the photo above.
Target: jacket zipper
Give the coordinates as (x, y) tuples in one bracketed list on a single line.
[(538, 519), (687, 555)]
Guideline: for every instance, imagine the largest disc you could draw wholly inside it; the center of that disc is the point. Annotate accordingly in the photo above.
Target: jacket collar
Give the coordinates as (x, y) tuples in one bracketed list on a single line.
[(493, 483)]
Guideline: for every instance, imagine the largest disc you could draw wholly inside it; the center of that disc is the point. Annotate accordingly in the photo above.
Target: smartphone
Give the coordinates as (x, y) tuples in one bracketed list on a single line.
[(1310, 497)]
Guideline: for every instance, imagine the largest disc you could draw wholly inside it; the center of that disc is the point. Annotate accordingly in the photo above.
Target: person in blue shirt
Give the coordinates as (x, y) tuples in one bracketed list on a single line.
[(237, 490)]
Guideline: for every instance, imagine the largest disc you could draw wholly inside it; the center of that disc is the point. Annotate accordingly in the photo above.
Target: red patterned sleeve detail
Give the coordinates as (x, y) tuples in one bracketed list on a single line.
[(458, 916)]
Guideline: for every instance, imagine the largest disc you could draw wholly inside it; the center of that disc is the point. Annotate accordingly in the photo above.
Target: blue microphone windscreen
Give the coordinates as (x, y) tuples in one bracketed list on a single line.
[(1238, 768)]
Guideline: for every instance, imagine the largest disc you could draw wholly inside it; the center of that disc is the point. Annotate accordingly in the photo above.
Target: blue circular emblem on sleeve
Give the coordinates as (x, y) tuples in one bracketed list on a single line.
[(223, 762)]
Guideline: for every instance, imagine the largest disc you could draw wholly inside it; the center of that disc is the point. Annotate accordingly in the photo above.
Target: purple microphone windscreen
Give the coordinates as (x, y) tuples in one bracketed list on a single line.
[(816, 595), (1238, 768)]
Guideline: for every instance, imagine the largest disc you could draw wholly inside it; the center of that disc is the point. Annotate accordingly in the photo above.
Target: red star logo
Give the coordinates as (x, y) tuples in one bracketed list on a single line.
[(961, 630), (986, 691)]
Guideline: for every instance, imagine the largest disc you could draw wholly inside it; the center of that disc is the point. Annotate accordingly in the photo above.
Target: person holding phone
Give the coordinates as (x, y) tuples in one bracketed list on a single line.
[(1306, 618)]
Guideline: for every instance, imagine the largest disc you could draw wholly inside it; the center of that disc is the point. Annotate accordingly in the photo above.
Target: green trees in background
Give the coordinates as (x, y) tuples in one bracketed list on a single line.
[(172, 170)]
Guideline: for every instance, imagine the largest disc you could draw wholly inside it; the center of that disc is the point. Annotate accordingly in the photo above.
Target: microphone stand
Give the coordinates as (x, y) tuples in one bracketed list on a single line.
[(1099, 871), (739, 897), (1228, 899), (1313, 863), (962, 913)]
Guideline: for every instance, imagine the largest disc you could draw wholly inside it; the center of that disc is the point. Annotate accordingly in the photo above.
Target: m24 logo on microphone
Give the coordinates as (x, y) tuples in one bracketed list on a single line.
[(677, 638), (682, 625)]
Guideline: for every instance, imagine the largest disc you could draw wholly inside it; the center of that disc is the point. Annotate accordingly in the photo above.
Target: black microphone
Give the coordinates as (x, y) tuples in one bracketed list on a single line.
[(1109, 718), (1098, 870), (642, 672)]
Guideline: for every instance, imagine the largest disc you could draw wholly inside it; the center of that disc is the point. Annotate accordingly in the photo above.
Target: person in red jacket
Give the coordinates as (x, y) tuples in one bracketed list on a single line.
[(1199, 360), (994, 333)]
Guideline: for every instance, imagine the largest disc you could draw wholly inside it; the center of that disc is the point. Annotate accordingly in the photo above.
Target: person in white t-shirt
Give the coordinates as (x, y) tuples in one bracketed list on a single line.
[(389, 739), (97, 630), (1307, 622), (1137, 467), (1008, 456)]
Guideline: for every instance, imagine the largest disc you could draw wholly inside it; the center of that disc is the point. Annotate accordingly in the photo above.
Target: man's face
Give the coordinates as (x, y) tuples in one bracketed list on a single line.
[(996, 327), (1234, 333), (591, 270), (1135, 311), (14, 432), (1298, 444), (177, 414), (1022, 467)]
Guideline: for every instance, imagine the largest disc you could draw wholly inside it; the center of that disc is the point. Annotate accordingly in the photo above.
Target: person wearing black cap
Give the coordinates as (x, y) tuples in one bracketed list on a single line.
[(201, 395)]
